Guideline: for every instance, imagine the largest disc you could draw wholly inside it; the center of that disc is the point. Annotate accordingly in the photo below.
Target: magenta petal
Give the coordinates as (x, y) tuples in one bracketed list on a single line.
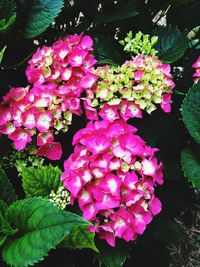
[(7, 128), (130, 180), (86, 42), (119, 152), (89, 212), (20, 138), (155, 206), (89, 80), (109, 112), (140, 226), (51, 150), (73, 184), (84, 198), (96, 144), (109, 237), (132, 143), (111, 184), (107, 202), (46, 137)]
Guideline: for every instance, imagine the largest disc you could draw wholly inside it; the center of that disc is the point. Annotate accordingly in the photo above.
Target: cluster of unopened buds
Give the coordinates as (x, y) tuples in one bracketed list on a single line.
[(139, 44), (58, 74), (127, 90), (196, 66), (112, 173), (61, 198)]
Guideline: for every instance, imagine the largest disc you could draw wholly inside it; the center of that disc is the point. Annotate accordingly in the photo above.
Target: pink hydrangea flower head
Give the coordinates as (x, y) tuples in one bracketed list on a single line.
[(59, 74), (59, 62), (113, 174)]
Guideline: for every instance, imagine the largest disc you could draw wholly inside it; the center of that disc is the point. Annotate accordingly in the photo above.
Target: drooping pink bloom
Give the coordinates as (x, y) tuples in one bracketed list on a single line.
[(51, 150)]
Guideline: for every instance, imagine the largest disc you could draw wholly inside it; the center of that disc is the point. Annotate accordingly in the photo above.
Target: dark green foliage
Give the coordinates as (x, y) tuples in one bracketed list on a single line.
[(41, 15), (172, 44), (7, 14), (191, 167), (7, 192), (80, 238), (112, 257), (121, 10), (39, 181), (105, 51), (5, 228), (191, 112)]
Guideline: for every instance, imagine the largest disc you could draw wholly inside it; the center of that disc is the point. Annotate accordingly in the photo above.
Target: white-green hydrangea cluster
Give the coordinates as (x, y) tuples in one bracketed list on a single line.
[(143, 80), (140, 44), (61, 198)]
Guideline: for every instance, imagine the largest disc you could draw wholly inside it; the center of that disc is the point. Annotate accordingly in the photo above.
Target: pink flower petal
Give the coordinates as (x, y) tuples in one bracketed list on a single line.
[(52, 150), (155, 206)]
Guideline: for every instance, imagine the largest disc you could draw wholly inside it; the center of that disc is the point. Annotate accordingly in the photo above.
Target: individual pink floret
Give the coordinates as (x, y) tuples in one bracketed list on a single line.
[(196, 66), (21, 138)]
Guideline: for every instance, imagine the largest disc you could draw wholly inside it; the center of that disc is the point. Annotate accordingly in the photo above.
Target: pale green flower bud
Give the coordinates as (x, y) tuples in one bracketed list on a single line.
[(61, 198)]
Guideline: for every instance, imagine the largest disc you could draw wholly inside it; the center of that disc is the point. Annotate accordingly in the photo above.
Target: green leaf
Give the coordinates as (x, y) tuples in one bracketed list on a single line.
[(39, 181), (191, 167), (171, 44), (41, 227), (2, 53), (167, 231), (5, 228), (7, 192), (191, 112), (3, 207), (106, 62), (122, 10), (2, 239), (7, 14), (113, 257), (105, 51), (80, 238), (41, 15)]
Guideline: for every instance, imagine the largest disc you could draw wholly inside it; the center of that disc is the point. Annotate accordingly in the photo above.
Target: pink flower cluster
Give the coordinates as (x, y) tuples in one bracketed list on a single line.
[(196, 66), (59, 75), (124, 91), (112, 173)]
